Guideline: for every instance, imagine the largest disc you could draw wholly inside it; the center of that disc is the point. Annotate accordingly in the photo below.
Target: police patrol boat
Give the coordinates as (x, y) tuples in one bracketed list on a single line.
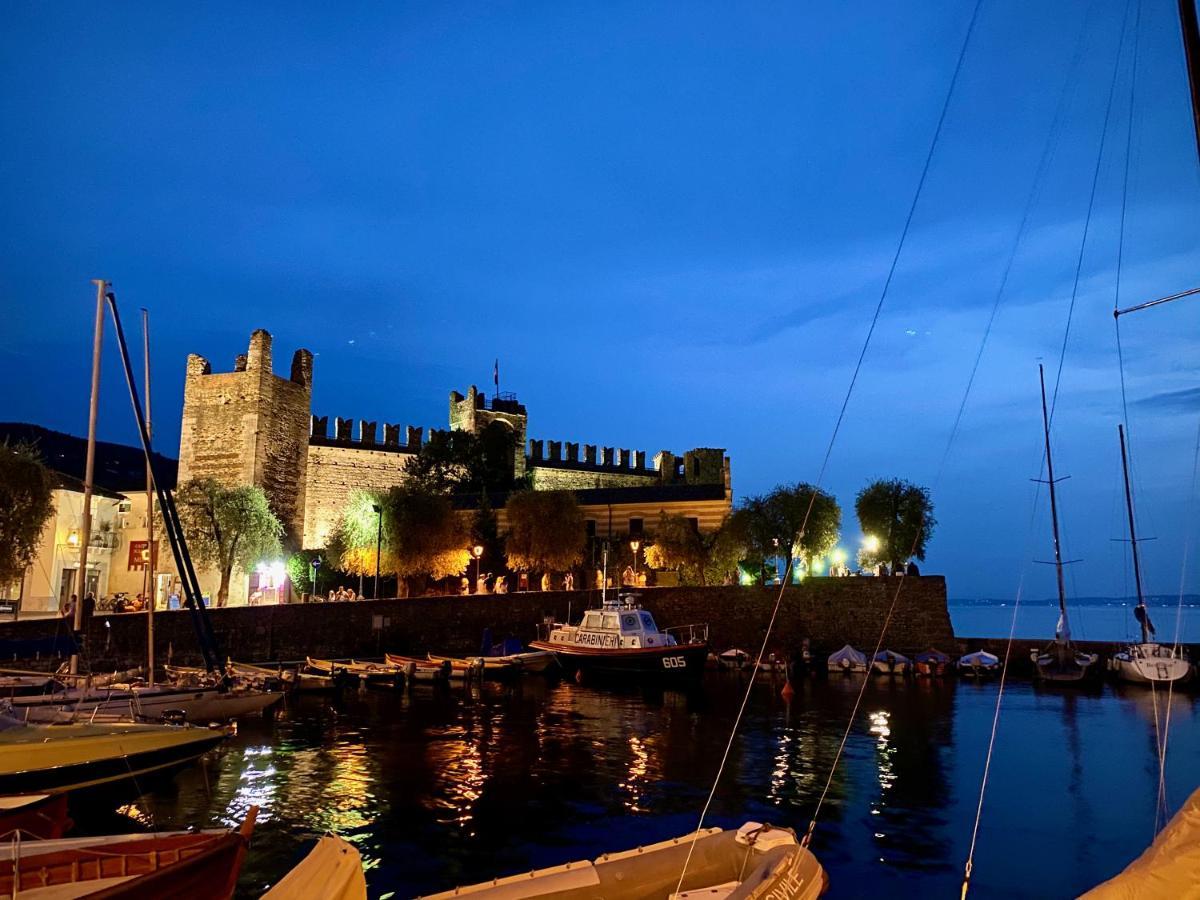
[(621, 638)]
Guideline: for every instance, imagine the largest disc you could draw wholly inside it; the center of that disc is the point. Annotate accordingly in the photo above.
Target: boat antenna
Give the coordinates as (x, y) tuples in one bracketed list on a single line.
[(604, 575), (1063, 632), (1143, 616)]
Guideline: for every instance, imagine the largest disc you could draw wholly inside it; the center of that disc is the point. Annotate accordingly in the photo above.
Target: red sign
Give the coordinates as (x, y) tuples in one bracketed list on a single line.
[(139, 555)]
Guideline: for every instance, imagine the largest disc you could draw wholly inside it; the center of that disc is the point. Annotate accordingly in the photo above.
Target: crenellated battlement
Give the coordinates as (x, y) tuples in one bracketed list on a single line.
[(369, 436), (698, 466)]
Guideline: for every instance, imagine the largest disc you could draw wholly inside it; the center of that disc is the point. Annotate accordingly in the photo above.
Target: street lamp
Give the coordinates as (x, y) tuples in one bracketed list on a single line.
[(378, 544), (871, 543), (634, 545), (477, 551)]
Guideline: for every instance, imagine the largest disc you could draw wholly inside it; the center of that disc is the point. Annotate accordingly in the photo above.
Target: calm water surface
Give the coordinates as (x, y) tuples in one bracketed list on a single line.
[(438, 788)]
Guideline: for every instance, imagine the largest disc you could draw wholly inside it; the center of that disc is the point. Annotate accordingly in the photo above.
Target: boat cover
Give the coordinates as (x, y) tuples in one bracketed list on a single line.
[(933, 656), (332, 870), (1169, 868), (885, 656), (980, 659), (847, 656)]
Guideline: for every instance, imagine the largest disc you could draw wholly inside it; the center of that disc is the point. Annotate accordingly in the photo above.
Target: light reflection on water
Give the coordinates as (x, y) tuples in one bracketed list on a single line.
[(439, 788)]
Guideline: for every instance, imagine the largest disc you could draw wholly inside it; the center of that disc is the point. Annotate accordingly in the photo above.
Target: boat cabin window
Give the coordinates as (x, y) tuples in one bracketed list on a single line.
[(610, 622), (591, 621), (648, 621), (630, 623)]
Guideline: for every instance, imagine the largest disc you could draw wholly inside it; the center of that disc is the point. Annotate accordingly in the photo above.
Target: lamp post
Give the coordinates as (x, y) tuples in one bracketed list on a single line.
[(378, 544), (634, 545), (477, 552)]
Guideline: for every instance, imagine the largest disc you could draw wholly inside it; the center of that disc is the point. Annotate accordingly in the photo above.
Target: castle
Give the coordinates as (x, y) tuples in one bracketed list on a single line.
[(251, 426)]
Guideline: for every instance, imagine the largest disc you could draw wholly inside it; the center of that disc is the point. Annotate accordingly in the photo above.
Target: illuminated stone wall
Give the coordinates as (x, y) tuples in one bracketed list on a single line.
[(334, 473), (250, 426)]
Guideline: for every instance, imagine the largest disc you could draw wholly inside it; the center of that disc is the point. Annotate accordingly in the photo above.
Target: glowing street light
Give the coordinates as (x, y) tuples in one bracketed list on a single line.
[(378, 544), (871, 543), (477, 552), (73, 538), (634, 545)]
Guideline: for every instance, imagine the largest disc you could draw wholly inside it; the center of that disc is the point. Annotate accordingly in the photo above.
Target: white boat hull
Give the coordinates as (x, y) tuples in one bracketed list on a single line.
[(199, 706), (1149, 664)]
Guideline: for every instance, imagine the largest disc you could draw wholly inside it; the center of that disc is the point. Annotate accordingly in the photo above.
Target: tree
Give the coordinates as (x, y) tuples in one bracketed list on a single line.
[(227, 527), (900, 515), (300, 570), (546, 531), (699, 558), (26, 505), (422, 536), (458, 461), (792, 521)]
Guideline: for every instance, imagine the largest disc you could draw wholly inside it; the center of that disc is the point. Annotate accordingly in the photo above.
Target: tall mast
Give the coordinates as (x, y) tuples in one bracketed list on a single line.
[(1191, 54), (1058, 564), (89, 469), (150, 592), (1137, 569)]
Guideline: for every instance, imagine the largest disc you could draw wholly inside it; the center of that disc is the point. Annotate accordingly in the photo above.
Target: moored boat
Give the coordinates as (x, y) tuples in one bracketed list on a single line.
[(621, 638), (477, 666), (77, 757), (979, 664), (889, 662), (847, 660), (734, 658), (199, 704), (529, 662), (332, 870), (417, 669), (756, 861), (43, 816), (931, 663), (191, 865)]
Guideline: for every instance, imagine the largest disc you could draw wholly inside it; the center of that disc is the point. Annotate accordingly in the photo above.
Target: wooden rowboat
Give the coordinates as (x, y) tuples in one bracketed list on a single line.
[(417, 669), (485, 666), (756, 861), (202, 865), (42, 816)]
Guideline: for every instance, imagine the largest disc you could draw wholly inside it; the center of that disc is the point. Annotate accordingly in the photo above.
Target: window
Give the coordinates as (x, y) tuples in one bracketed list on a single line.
[(694, 522), (648, 621), (695, 467), (629, 622), (590, 524), (635, 526)]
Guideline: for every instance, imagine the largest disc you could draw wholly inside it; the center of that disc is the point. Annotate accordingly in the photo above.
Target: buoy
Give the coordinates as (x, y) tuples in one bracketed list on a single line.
[(788, 691)]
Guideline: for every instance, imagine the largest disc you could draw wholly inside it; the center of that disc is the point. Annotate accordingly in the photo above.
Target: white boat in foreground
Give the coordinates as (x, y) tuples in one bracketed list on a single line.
[(847, 660), (1150, 663), (756, 861), (332, 871), (198, 705)]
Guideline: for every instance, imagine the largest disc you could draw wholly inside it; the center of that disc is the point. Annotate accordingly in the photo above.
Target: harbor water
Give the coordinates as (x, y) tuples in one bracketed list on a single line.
[(440, 787)]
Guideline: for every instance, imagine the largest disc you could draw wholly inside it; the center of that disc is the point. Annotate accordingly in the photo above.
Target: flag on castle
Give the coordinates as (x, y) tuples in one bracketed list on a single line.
[(496, 376)]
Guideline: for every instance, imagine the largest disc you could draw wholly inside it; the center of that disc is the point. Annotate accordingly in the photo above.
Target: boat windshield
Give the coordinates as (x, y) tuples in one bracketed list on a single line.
[(648, 621)]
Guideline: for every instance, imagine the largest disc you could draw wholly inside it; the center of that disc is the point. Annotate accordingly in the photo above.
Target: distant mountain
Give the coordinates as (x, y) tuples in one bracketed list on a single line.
[(1151, 600), (118, 467)]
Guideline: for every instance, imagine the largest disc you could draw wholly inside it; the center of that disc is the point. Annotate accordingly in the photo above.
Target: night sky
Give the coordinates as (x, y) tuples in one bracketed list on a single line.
[(670, 222)]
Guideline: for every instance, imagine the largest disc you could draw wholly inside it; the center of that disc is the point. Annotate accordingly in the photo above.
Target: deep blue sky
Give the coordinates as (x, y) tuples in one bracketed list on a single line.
[(671, 223)]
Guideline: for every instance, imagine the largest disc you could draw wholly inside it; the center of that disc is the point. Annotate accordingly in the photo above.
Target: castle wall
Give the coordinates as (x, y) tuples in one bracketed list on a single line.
[(546, 478), (334, 473)]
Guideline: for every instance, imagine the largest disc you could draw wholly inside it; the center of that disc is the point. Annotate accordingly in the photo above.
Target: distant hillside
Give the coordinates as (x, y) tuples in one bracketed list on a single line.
[(118, 467)]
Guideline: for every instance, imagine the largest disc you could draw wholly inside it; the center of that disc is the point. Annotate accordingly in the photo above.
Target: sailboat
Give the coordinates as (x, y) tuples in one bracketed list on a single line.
[(1060, 660), (1148, 661)]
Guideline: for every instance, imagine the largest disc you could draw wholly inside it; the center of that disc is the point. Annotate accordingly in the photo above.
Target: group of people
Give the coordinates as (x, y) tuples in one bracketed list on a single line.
[(499, 583), (89, 607), (344, 593)]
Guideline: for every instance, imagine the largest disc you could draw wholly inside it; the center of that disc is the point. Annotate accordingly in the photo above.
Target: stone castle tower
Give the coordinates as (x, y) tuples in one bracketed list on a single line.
[(250, 427), (476, 414)]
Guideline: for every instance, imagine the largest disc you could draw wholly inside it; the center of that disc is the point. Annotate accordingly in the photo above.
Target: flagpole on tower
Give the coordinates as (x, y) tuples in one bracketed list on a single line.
[(496, 377)]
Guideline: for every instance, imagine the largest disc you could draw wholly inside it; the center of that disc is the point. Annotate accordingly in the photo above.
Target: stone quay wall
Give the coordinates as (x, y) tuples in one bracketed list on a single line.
[(829, 611)]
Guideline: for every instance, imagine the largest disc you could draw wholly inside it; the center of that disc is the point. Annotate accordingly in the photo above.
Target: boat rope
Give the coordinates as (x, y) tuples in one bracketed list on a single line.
[(829, 449), (1087, 222), (969, 866), (1161, 809)]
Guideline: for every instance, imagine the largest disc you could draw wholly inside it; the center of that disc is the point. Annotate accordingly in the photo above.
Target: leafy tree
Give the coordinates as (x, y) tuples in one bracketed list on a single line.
[(900, 515), (299, 569), (26, 505), (699, 558), (422, 536), (792, 521), (227, 527), (458, 461), (546, 531)]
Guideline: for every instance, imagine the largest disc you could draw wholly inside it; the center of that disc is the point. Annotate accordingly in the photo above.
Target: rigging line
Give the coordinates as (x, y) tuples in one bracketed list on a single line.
[(1121, 231), (1087, 223), (833, 438), (1162, 758)]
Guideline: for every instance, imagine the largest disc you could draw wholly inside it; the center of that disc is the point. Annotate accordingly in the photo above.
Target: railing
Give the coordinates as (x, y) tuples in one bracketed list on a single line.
[(689, 634)]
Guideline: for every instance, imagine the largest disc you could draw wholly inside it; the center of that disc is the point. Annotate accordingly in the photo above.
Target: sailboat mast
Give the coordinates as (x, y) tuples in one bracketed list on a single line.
[(1137, 569), (1191, 53), (149, 593), (1058, 564)]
